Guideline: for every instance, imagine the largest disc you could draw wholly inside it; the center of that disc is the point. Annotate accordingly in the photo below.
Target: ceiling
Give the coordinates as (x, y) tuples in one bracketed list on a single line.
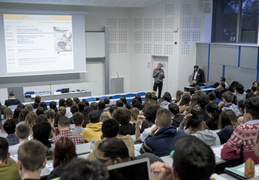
[(102, 3)]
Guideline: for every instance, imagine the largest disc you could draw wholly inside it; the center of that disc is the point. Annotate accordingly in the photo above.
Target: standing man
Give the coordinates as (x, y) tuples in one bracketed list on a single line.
[(198, 77), (158, 75)]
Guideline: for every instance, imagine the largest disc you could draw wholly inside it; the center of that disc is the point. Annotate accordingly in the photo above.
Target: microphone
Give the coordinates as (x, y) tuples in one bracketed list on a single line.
[(117, 75)]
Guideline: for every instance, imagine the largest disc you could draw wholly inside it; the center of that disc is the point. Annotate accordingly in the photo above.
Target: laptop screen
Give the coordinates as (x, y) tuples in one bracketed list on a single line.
[(136, 169), (65, 90)]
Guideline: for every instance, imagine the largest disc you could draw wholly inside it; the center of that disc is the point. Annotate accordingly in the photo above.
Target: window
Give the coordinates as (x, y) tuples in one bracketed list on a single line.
[(235, 21)]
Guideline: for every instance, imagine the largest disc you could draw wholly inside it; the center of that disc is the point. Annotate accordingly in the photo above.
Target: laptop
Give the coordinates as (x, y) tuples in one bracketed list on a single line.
[(135, 169), (65, 90)]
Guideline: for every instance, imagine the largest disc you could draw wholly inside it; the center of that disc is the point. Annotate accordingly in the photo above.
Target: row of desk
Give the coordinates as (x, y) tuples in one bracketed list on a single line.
[(83, 151)]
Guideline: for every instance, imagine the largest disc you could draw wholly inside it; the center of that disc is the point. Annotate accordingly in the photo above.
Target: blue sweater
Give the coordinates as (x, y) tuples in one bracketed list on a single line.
[(162, 143)]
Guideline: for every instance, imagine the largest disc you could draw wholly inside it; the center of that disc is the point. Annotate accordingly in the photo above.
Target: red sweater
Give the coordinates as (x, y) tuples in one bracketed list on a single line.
[(242, 142)]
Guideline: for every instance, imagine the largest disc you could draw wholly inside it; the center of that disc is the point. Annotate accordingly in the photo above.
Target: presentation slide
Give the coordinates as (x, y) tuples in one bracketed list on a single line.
[(38, 43)]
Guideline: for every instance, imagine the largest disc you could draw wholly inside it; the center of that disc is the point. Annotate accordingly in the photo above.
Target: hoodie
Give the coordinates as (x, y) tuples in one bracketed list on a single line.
[(92, 131), (209, 137), (162, 143), (164, 104)]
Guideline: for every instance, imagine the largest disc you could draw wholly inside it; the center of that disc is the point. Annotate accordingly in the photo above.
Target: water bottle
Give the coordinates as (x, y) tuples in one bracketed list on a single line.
[(92, 146)]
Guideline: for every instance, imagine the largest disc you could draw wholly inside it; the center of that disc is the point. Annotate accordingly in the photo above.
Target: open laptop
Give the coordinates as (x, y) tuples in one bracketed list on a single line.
[(65, 90), (135, 169)]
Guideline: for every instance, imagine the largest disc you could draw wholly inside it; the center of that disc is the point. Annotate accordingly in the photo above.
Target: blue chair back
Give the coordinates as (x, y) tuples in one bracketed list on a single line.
[(129, 95), (91, 99), (142, 93), (58, 90), (103, 97), (117, 96)]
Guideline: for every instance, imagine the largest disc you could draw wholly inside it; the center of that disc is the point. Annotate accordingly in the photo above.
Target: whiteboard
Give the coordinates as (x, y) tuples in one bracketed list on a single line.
[(95, 44)]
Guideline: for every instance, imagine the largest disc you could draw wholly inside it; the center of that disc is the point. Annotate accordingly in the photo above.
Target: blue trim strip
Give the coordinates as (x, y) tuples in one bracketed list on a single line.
[(208, 71), (223, 70), (257, 75), (239, 56)]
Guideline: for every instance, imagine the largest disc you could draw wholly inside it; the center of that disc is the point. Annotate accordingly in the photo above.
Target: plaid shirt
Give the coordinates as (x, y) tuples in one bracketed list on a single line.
[(77, 139)]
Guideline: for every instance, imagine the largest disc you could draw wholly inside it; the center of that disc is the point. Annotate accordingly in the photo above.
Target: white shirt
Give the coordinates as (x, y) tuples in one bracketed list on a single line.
[(146, 132)]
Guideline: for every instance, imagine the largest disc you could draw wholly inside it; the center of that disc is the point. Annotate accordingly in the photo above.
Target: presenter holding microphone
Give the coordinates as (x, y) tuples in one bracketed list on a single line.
[(158, 75)]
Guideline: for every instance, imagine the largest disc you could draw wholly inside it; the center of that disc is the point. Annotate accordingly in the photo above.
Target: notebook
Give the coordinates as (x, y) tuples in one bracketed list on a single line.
[(135, 169)]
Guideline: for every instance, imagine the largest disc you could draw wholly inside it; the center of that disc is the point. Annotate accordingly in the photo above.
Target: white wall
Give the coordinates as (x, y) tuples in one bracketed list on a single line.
[(132, 47)]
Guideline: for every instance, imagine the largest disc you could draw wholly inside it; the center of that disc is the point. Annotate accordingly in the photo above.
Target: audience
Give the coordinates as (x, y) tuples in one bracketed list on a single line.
[(82, 169), (7, 170), (227, 124), (64, 128), (213, 111), (228, 98), (241, 144), (192, 159), (93, 130), (198, 128), (22, 132), (110, 129), (12, 100), (9, 127), (147, 122), (64, 152), (37, 101), (177, 117), (240, 92), (78, 118), (123, 116), (161, 139), (31, 159)]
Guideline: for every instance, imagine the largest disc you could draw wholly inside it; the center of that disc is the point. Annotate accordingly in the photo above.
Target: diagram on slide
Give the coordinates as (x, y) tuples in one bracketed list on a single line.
[(62, 39)]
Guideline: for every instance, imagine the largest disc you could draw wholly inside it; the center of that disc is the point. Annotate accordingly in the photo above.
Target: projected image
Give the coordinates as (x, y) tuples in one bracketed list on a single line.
[(29, 43), (62, 39)]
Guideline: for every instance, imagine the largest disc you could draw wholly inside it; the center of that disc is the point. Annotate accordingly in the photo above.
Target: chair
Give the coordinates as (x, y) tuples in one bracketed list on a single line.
[(103, 97), (141, 93), (129, 95), (58, 90), (117, 96), (91, 99)]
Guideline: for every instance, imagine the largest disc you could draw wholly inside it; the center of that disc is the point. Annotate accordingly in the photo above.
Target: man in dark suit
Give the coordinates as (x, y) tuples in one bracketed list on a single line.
[(198, 77)]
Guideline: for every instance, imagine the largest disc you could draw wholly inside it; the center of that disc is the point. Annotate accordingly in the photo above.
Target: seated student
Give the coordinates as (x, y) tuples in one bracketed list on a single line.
[(78, 118), (41, 132), (123, 115), (31, 159), (37, 101), (114, 151), (12, 100), (240, 92), (73, 109), (23, 133), (184, 103), (7, 170), (241, 144), (64, 128), (82, 169), (228, 98), (93, 130), (9, 127), (212, 96), (110, 129), (177, 117), (146, 122), (198, 128), (213, 111), (64, 152), (227, 124), (167, 100), (218, 94), (162, 138), (192, 159)]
